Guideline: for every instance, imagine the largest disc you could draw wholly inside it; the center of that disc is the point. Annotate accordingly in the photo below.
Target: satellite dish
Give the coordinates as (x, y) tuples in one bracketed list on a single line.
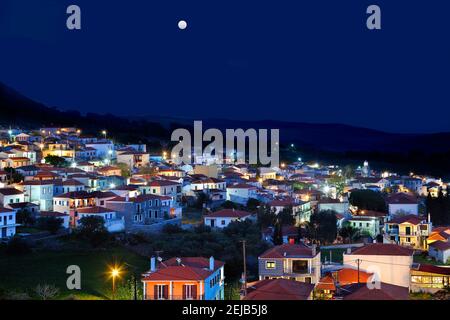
[(159, 259)]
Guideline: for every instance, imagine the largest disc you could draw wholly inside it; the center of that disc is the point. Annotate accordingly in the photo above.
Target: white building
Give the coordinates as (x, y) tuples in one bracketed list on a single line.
[(39, 192), (440, 250), (221, 219), (7, 223), (10, 195), (402, 203), (112, 223), (241, 193), (391, 263)]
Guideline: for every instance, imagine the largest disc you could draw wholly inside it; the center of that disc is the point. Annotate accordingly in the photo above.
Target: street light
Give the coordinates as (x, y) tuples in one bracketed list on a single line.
[(114, 273), (104, 133)]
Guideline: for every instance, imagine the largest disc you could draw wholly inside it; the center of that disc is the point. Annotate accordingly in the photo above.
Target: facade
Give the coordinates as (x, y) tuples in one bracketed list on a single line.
[(7, 223), (11, 195), (430, 278), (290, 261), (241, 193), (189, 278), (221, 219), (440, 251), (366, 225), (39, 192), (402, 203), (112, 223), (391, 263), (409, 230)]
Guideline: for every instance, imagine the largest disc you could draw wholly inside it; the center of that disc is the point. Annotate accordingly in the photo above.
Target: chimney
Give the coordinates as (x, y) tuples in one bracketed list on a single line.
[(152, 264), (349, 250), (127, 198), (211, 263), (179, 261), (429, 217), (314, 250)]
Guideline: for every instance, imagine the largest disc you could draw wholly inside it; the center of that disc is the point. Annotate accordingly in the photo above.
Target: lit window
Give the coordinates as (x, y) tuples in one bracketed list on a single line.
[(270, 264)]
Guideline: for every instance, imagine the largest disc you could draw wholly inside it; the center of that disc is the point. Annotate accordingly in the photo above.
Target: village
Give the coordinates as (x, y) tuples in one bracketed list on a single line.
[(215, 230)]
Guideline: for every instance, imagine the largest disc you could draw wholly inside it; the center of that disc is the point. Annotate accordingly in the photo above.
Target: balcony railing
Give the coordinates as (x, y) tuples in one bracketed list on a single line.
[(299, 272)]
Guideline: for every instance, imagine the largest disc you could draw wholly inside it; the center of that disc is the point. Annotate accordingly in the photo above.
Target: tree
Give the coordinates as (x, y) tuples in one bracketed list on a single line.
[(368, 200), (349, 233), (338, 182), (46, 291), (266, 217), (229, 205), (202, 198), (278, 234), (285, 217), (24, 217), (17, 246), (51, 224), (322, 227), (13, 175), (56, 161), (125, 170), (93, 229), (252, 204)]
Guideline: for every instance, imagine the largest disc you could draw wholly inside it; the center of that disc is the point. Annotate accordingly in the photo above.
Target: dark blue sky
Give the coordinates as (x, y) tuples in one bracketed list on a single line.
[(311, 61)]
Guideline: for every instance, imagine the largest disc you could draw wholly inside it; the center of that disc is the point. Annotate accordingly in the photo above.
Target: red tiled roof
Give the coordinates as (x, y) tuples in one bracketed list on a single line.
[(286, 251), (10, 191), (94, 210), (241, 186), (52, 214), (279, 289), (191, 268), (228, 213), (326, 283), (162, 183), (441, 245), (433, 269), (5, 210), (347, 276), (401, 198), (383, 249), (386, 292), (410, 218)]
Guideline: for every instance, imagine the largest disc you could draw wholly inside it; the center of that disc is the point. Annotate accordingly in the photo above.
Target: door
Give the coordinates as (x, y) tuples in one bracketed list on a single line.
[(212, 223), (408, 230), (3, 232)]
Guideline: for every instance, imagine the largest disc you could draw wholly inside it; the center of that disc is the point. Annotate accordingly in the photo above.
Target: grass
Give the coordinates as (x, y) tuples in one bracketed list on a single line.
[(336, 255), (422, 259), (28, 230), (24, 273)]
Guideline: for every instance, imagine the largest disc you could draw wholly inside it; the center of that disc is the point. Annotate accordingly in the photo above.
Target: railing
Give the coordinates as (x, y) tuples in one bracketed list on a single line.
[(298, 272)]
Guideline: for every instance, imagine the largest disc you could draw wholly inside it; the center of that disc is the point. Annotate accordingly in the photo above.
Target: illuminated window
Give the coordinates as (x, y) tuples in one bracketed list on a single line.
[(270, 264)]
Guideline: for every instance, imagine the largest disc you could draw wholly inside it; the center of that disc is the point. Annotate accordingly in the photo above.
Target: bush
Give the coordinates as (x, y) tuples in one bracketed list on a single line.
[(51, 224), (17, 246)]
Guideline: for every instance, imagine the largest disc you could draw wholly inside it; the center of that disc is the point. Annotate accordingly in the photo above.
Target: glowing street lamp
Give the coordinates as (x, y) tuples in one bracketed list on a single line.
[(114, 273), (104, 133)]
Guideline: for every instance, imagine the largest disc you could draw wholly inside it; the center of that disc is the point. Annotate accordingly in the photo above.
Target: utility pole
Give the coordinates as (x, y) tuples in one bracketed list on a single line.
[(245, 268), (358, 261)]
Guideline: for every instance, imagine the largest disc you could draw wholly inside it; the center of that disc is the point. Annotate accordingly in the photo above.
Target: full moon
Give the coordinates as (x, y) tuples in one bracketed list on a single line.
[(182, 24)]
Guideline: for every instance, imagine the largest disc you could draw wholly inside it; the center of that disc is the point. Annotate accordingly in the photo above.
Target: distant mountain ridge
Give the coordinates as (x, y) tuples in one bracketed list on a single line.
[(18, 110)]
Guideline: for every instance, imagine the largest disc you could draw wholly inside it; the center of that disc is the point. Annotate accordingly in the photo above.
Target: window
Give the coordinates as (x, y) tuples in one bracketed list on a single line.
[(189, 292), (161, 292), (367, 224), (300, 266), (223, 222), (270, 264)]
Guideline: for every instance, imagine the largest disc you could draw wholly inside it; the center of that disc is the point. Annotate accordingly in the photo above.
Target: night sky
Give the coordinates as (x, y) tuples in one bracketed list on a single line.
[(306, 61)]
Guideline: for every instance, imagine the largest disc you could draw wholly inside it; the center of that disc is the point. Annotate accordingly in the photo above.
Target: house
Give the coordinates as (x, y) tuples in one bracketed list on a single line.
[(221, 219), (111, 221), (429, 278), (440, 251), (109, 171), (69, 185), (391, 263), (267, 173), (11, 195), (279, 289), (333, 204), (240, 193), (290, 261), (103, 149), (7, 223), (29, 207), (39, 192), (366, 225), (188, 278), (53, 214), (301, 210), (409, 230), (385, 291), (71, 201), (332, 282), (3, 178), (172, 173), (164, 188), (402, 203), (134, 159), (439, 233), (144, 209)]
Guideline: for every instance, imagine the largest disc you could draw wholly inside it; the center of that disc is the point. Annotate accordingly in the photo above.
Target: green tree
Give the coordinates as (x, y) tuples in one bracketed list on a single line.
[(56, 161), (92, 228), (51, 224), (368, 200), (266, 217), (278, 234), (125, 170), (253, 204), (285, 217), (25, 218), (322, 227), (13, 176), (348, 233)]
